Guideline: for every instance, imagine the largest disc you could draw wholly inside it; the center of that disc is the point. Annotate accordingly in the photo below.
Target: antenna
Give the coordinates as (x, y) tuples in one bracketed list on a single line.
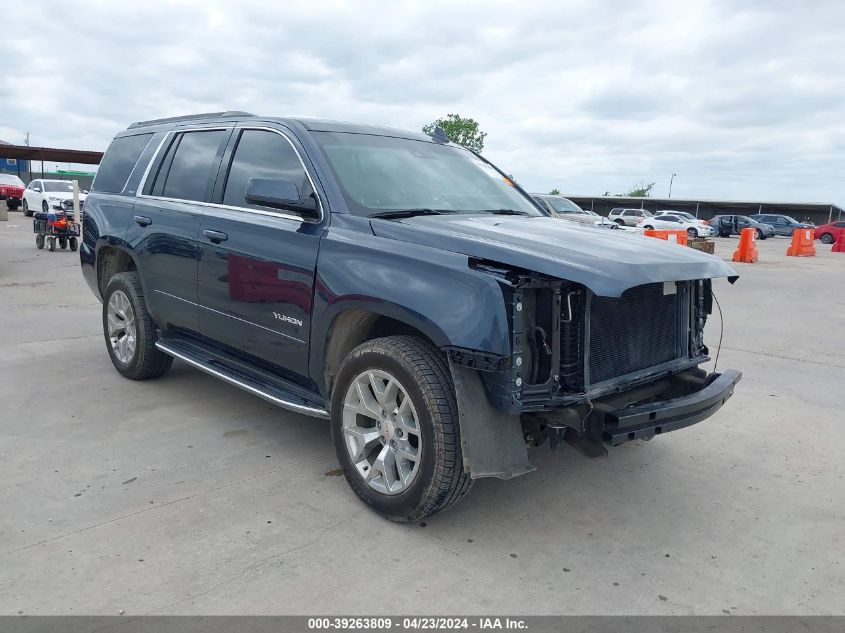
[(440, 135)]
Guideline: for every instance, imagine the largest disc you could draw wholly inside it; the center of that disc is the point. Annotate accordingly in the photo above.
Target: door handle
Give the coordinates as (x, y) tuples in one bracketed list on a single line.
[(215, 236), (143, 220)]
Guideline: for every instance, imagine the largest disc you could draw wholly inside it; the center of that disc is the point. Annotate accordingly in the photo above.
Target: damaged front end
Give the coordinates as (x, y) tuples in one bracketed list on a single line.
[(595, 371)]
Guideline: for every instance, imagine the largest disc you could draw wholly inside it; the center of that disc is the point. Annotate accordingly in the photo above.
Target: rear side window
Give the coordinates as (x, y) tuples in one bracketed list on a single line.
[(839, 225), (186, 170), (262, 154), (118, 163)]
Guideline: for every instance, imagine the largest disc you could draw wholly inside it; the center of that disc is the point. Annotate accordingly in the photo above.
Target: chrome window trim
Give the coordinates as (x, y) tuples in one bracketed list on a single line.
[(216, 205)]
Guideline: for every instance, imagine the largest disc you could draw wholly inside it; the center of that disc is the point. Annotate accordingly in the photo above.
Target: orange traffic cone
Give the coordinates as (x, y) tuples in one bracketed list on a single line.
[(839, 246), (747, 250), (678, 237), (802, 244)]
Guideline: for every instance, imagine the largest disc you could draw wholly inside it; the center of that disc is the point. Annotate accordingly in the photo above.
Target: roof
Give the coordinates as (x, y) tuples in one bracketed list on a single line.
[(709, 201), (24, 152)]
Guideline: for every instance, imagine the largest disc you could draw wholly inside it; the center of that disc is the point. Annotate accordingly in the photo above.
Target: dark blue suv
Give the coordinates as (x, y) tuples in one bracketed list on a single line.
[(402, 287)]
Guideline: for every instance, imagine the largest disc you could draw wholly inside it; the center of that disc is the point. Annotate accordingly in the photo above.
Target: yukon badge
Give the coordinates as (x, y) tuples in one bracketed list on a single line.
[(288, 319)]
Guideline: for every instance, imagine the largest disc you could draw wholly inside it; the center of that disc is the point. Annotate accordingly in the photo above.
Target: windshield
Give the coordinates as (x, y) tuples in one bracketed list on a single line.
[(10, 180), (379, 174), (562, 205), (58, 185)]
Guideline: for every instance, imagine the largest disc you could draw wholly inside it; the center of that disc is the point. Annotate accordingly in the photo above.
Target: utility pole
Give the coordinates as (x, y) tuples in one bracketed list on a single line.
[(671, 180), (26, 140)]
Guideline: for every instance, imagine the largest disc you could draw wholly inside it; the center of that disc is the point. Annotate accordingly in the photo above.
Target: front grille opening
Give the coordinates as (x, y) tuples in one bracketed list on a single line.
[(633, 332)]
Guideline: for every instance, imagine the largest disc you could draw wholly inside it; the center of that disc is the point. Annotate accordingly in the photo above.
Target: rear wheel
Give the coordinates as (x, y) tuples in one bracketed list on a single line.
[(648, 227), (394, 422), (129, 330), (39, 241), (74, 243), (620, 222), (62, 242), (827, 238), (51, 244)]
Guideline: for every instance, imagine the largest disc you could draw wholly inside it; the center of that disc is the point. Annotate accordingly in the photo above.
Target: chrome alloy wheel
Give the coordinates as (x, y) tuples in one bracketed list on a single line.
[(123, 332), (381, 431)]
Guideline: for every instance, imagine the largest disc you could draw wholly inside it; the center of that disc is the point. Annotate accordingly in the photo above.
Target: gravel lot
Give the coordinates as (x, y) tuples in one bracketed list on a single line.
[(184, 495)]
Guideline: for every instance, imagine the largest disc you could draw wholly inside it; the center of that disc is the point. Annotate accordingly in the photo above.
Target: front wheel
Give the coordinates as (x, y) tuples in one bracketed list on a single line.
[(648, 227), (394, 420), (827, 238), (692, 233), (51, 244), (129, 330), (26, 210), (39, 241), (74, 243)]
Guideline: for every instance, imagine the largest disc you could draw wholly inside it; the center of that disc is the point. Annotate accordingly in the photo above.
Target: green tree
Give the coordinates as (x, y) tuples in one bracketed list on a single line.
[(643, 191), (554, 192), (460, 130)]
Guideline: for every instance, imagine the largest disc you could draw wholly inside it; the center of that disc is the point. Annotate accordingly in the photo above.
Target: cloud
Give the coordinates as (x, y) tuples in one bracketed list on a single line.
[(741, 99)]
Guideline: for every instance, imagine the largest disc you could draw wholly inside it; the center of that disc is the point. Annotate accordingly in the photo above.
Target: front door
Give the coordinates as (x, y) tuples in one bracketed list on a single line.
[(257, 265)]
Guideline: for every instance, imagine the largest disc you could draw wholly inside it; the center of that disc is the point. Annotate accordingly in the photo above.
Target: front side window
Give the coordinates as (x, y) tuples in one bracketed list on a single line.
[(669, 218), (186, 170), (118, 162), (36, 186), (379, 174), (262, 154)]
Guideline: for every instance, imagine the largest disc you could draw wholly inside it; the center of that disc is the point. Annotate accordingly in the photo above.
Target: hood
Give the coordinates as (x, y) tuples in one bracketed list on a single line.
[(607, 262), (63, 195)]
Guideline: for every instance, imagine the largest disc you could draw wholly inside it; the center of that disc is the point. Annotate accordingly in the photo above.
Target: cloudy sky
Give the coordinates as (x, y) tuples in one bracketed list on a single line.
[(741, 99)]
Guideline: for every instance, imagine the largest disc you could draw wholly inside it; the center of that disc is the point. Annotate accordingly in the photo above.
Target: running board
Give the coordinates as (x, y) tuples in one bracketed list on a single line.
[(276, 392)]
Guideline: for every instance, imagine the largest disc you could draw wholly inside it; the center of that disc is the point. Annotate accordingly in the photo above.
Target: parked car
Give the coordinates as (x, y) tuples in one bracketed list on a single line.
[(782, 224), (399, 285), (628, 217), (681, 214), (829, 233), (726, 225), (676, 223), (47, 194), (565, 209), (11, 190)]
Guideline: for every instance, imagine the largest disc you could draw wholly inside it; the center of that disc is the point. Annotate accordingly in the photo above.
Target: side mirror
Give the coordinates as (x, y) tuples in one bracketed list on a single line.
[(279, 193)]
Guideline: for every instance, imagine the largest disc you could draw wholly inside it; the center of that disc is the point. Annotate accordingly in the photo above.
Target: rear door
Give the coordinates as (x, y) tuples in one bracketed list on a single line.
[(166, 222), (257, 264)]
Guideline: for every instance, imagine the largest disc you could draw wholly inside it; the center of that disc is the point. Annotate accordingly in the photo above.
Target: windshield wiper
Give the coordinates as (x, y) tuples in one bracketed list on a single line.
[(408, 213), (502, 211)]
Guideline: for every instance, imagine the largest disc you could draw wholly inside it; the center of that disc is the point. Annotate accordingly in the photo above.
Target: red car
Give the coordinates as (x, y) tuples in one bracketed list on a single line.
[(11, 190), (829, 233)]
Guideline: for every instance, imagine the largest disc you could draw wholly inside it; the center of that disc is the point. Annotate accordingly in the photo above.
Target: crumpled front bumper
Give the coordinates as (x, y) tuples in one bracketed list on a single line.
[(647, 420)]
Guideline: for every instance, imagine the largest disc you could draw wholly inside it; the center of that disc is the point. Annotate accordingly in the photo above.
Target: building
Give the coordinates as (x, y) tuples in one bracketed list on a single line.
[(13, 165), (817, 212)]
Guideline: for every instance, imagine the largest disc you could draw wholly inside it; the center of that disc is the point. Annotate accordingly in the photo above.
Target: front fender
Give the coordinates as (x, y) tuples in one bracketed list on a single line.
[(432, 290)]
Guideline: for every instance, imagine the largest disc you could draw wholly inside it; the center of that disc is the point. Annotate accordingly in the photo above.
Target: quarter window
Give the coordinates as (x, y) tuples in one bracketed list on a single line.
[(118, 163), (263, 154)]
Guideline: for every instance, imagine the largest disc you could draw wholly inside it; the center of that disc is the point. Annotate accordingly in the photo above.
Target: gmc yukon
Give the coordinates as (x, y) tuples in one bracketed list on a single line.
[(401, 287)]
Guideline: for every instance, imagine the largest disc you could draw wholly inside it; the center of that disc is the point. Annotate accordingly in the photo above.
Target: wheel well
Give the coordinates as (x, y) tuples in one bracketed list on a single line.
[(351, 328), (111, 261)]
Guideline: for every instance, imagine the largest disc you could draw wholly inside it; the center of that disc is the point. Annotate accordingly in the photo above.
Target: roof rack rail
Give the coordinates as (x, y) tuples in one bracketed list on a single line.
[(190, 117)]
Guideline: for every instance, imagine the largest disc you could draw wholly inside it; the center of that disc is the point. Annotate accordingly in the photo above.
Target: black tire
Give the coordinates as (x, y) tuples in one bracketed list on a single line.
[(620, 222), (51, 244), (62, 242), (759, 234), (45, 207), (12, 205), (691, 232), (648, 227), (147, 361), (827, 238), (73, 243), (26, 210), (39, 241), (422, 370)]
